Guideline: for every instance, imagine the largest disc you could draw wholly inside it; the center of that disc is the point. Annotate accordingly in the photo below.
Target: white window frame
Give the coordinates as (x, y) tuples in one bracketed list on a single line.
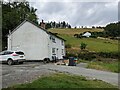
[(53, 51)]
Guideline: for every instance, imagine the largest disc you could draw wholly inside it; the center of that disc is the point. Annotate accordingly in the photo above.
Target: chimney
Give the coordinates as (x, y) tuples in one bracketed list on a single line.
[(42, 24)]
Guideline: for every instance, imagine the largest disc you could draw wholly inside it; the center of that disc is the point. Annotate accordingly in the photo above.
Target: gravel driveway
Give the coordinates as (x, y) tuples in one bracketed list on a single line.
[(26, 72), (32, 70)]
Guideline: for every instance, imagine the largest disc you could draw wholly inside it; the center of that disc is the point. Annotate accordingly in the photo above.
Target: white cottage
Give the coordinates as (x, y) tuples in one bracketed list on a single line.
[(87, 34), (36, 42)]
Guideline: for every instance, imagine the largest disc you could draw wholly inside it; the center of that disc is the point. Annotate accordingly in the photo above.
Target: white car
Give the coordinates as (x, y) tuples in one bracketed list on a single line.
[(12, 57)]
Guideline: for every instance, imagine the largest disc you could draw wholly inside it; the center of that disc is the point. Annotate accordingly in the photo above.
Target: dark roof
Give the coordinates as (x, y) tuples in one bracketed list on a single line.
[(36, 26)]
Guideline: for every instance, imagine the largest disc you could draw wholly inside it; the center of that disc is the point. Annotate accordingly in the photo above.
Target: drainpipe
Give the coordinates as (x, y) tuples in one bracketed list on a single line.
[(10, 40)]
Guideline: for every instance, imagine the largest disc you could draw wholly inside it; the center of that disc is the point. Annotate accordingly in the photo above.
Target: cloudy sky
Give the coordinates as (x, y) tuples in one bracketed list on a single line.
[(77, 13)]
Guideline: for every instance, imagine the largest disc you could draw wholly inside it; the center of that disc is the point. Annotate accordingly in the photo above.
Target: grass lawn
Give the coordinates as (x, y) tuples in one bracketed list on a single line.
[(93, 44), (61, 80), (113, 66)]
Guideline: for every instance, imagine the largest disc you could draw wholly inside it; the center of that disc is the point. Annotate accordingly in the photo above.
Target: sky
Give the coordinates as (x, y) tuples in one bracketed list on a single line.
[(77, 12)]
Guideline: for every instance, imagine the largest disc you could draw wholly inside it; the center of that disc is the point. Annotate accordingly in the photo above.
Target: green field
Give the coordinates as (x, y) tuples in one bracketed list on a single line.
[(113, 66), (73, 31), (61, 80), (93, 44)]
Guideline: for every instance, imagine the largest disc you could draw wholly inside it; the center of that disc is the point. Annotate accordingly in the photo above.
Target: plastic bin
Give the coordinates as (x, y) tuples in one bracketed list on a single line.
[(72, 61)]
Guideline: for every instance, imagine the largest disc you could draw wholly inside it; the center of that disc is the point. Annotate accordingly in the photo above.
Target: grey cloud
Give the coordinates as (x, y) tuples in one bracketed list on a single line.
[(78, 14), (50, 8), (100, 14)]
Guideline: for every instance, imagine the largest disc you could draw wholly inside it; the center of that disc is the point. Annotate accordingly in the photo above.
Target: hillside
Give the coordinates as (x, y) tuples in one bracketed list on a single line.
[(93, 44), (73, 31)]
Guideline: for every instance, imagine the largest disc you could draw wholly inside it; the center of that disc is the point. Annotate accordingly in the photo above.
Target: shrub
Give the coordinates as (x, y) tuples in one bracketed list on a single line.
[(71, 55), (114, 55), (87, 56), (93, 36), (68, 46), (92, 55), (83, 46)]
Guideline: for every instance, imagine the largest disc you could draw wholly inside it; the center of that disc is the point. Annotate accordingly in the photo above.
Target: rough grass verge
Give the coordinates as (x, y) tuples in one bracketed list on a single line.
[(61, 80), (99, 65)]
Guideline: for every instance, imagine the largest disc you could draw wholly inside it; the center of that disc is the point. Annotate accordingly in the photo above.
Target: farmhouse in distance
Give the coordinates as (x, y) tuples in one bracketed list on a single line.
[(36, 42)]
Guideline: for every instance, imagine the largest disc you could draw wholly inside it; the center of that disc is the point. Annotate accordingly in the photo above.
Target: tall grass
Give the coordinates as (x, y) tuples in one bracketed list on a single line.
[(113, 66), (65, 81)]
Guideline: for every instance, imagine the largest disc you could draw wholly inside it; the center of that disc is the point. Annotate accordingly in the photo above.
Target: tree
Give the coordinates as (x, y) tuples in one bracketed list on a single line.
[(64, 24), (14, 13), (76, 35), (93, 26), (69, 26), (47, 25), (113, 29)]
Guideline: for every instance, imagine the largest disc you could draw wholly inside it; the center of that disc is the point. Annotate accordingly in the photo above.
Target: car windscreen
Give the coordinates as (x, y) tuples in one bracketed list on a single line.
[(6, 53), (19, 53)]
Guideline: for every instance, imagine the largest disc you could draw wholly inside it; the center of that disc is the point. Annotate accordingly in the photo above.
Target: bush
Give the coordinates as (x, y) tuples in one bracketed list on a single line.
[(71, 55), (114, 55), (87, 56), (68, 46), (97, 34), (93, 36), (92, 55), (83, 46)]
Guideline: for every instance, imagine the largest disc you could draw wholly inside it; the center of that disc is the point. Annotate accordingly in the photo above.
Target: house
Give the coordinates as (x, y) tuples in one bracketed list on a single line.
[(87, 34), (36, 42)]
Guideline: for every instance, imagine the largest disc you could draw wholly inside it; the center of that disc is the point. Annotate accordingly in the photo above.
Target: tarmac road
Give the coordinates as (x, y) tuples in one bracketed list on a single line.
[(30, 71)]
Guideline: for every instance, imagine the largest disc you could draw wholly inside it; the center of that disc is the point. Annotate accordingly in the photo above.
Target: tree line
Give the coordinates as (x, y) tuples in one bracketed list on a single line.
[(54, 24), (113, 29)]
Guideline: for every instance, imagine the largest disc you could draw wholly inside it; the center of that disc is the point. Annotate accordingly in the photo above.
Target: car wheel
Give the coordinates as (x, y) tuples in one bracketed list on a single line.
[(45, 61), (10, 62), (48, 60)]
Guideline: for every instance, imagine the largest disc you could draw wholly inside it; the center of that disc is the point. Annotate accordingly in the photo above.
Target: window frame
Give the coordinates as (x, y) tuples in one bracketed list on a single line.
[(62, 42), (62, 51), (53, 51)]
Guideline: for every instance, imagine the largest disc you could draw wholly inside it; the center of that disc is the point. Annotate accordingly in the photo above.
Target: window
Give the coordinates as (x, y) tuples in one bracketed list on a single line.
[(7, 53), (53, 50), (62, 51), (20, 53), (2, 53), (52, 38), (62, 42)]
